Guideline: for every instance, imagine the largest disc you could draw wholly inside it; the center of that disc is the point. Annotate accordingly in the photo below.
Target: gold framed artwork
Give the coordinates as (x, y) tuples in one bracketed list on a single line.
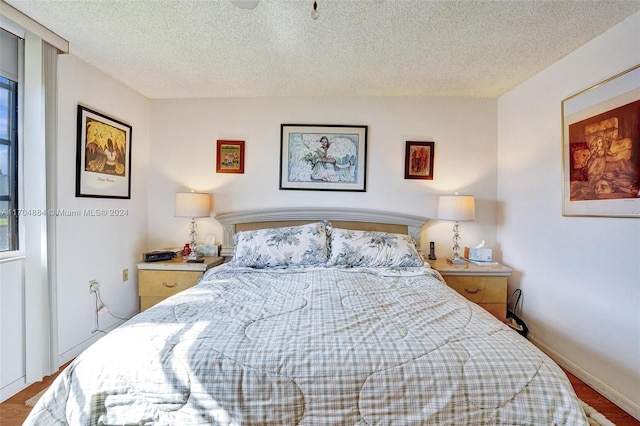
[(103, 156), (230, 156), (601, 148)]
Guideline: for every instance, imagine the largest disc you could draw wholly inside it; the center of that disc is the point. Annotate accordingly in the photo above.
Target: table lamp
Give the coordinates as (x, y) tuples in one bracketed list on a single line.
[(458, 208), (193, 205)]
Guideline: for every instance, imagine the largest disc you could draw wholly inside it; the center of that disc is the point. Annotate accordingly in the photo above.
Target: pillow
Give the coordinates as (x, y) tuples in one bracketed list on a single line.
[(371, 248), (287, 246)]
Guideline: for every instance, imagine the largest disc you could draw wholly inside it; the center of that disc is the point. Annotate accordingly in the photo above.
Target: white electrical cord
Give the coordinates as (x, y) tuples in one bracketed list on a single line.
[(96, 293)]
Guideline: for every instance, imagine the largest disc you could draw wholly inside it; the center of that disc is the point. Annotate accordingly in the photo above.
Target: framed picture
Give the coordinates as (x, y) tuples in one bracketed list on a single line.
[(601, 148), (318, 157), (418, 160), (103, 156), (230, 157)]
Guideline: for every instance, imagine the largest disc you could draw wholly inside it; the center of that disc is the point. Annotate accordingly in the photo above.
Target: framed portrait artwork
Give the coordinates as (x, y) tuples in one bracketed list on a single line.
[(418, 160), (320, 157), (230, 156), (601, 148), (103, 156)]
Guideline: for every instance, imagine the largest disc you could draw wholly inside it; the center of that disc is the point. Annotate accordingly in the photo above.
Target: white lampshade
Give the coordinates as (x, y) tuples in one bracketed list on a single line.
[(460, 208), (192, 204)]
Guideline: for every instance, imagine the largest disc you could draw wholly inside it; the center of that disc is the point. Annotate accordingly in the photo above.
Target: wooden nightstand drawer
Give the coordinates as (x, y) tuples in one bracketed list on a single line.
[(166, 283), (159, 280), (480, 289), (484, 285)]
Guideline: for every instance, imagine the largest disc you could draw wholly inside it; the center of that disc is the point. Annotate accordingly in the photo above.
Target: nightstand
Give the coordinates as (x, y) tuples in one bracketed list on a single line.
[(485, 285), (159, 280)]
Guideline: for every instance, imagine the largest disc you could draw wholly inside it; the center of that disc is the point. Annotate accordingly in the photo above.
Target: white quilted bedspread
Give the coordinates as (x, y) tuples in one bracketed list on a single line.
[(316, 346)]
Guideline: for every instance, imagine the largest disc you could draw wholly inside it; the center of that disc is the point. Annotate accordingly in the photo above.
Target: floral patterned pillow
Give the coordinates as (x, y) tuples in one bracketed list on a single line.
[(278, 247), (372, 249)]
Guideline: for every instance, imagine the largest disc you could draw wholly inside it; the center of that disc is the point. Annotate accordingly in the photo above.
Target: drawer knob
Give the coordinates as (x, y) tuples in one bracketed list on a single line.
[(477, 290), (175, 285)]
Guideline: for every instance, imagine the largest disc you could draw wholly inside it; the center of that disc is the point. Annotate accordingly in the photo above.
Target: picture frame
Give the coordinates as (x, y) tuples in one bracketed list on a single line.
[(601, 148), (323, 157), (103, 156), (418, 160), (229, 156)]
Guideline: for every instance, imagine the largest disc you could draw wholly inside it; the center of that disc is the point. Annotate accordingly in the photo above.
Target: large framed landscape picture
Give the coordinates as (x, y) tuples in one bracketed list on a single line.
[(601, 148), (319, 157)]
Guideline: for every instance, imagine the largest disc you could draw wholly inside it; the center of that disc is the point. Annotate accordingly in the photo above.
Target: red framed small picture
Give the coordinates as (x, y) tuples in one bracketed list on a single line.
[(230, 157), (418, 160)]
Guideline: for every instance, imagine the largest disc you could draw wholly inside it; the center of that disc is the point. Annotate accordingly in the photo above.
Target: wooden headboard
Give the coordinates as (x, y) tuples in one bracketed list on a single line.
[(359, 219)]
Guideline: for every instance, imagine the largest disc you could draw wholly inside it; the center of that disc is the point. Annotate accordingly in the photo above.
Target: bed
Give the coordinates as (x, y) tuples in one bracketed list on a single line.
[(321, 317)]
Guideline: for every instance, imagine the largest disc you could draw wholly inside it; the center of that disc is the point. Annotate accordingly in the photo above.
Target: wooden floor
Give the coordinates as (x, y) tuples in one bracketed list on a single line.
[(602, 405), (13, 411)]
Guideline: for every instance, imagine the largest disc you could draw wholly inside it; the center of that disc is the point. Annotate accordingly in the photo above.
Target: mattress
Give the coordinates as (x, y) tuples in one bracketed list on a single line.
[(312, 346)]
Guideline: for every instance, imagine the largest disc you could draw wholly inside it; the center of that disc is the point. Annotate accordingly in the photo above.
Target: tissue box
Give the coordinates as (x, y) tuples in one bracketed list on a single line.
[(208, 249), (478, 254)]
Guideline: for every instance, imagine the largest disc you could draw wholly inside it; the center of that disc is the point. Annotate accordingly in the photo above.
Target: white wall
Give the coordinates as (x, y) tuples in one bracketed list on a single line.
[(182, 157), (12, 339), (580, 275), (97, 247)]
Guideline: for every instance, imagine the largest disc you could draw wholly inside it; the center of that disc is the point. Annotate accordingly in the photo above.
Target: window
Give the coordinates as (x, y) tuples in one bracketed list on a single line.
[(8, 165)]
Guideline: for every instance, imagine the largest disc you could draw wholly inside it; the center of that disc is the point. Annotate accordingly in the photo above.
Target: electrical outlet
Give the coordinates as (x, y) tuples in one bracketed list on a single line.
[(125, 275), (93, 286)]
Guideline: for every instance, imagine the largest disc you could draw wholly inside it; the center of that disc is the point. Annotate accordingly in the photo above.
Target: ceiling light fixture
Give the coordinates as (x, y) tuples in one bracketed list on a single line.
[(314, 12), (245, 4)]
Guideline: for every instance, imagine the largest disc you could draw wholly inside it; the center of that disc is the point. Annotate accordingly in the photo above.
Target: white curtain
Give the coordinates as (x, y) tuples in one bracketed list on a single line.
[(40, 130), (50, 74)]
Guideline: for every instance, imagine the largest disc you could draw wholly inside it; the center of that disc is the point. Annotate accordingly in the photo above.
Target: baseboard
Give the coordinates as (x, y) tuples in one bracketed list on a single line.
[(604, 389), (13, 388), (67, 356)]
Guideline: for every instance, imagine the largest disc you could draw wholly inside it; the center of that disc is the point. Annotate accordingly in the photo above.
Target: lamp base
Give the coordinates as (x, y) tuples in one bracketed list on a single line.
[(458, 261), (192, 256)]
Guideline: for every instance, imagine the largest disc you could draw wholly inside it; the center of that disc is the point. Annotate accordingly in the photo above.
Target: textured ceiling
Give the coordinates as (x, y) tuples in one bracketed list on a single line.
[(209, 48)]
